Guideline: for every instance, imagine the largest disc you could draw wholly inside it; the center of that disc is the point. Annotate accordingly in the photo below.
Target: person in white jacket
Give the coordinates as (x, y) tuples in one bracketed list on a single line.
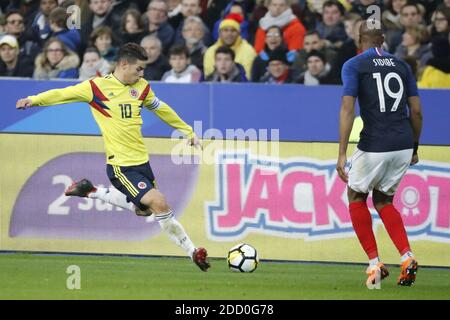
[(93, 65), (182, 70)]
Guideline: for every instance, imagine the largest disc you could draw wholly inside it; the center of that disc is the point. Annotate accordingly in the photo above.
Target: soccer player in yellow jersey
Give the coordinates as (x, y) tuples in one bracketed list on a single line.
[(116, 102)]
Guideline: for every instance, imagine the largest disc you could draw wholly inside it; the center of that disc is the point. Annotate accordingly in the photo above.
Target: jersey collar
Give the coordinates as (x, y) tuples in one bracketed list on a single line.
[(375, 50), (117, 80)]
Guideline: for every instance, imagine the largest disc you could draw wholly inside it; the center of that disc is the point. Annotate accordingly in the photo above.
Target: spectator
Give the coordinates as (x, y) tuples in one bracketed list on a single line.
[(410, 17), (437, 72), (391, 18), (58, 24), (281, 15), (331, 27), (234, 10), (28, 46), (349, 48), (412, 45), (225, 67), (158, 24), (215, 9), (102, 38), (93, 65), (132, 27), (41, 22), (191, 8), (311, 42), (99, 16), (316, 6), (157, 64), (104, 13), (56, 61), (174, 8), (440, 21), (229, 35), (278, 68), (274, 41), (193, 32), (182, 71), (391, 15), (360, 7), (318, 70), (11, 64)]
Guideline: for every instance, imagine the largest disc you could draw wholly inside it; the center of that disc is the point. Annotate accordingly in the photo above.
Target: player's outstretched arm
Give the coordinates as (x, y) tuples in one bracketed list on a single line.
[(346, 118), (81, 92)]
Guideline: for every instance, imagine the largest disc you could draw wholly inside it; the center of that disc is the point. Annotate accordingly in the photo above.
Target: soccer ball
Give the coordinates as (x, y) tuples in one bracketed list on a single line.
[(242, 258)]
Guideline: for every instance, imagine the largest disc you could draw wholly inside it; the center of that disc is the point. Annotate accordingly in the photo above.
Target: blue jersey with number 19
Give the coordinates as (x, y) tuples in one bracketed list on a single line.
[(382, 83)]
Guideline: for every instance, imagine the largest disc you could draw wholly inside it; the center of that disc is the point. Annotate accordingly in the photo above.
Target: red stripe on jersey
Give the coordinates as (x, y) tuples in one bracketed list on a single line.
[(97, 92), (145, 93), (99, 109)]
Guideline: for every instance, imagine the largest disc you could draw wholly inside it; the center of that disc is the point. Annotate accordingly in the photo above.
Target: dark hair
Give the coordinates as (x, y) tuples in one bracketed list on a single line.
[(313, 32), (445, 11), (440, 47), (11, 12), (59, 17), (131, 52), (93, 49), (336, 3), (276, 27), (411, 4), (225, 50), (136, 14), (279, 54), (179, 50), (316, 53), (99, 31), (413, 63)]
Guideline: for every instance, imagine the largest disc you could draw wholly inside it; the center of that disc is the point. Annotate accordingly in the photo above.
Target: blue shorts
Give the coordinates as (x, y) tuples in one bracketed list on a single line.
[(133, 181)]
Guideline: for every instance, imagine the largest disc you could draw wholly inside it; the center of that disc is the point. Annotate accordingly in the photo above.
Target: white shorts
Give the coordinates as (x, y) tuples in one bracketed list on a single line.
[(382, 171)]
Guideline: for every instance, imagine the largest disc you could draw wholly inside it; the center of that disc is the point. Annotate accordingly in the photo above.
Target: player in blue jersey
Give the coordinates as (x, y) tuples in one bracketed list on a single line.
[(392, 117)]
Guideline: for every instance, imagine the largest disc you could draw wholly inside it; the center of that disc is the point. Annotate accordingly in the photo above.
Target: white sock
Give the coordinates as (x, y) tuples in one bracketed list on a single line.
[(176, 232), (373, 262), (407, 255), (112, 196)]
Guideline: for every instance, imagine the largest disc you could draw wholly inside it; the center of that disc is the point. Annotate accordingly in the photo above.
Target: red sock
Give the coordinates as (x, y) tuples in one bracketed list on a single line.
[(362, 223), (394, 226)]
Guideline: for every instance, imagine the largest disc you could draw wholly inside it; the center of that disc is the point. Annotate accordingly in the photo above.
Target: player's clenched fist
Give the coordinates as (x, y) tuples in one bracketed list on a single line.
[(23, 103)]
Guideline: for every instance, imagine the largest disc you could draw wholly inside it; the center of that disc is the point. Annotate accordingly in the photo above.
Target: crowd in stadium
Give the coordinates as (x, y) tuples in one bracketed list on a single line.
[(266, 41)]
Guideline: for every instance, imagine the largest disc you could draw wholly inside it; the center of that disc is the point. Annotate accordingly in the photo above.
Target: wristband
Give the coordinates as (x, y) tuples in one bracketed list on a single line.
[(416, 147)]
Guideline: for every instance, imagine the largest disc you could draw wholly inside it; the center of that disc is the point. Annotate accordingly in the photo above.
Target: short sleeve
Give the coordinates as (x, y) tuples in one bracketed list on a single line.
[(349, 77)]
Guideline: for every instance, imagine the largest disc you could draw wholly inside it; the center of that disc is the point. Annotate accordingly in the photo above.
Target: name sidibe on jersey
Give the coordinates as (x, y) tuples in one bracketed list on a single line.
[(384, 62)]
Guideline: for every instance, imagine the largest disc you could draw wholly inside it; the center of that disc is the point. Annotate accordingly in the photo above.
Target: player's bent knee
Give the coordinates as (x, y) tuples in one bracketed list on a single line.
[(143, 213), (354, 196), (156, 201)]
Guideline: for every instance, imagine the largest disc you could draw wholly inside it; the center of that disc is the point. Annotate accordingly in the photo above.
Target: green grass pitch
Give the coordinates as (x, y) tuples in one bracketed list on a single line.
[(39, 276)]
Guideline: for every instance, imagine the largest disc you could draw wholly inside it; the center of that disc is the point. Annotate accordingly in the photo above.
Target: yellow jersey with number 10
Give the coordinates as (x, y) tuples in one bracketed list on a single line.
[(117, 110)]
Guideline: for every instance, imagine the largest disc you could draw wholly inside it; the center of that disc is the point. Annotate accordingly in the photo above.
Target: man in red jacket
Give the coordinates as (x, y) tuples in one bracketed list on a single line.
[(280, 14)]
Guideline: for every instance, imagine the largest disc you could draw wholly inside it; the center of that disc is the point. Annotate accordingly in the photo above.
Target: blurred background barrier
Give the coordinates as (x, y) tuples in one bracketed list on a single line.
[(301, 113)]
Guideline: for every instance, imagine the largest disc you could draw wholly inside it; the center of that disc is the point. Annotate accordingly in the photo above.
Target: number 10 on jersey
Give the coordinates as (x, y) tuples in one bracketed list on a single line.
[(126, 110)]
